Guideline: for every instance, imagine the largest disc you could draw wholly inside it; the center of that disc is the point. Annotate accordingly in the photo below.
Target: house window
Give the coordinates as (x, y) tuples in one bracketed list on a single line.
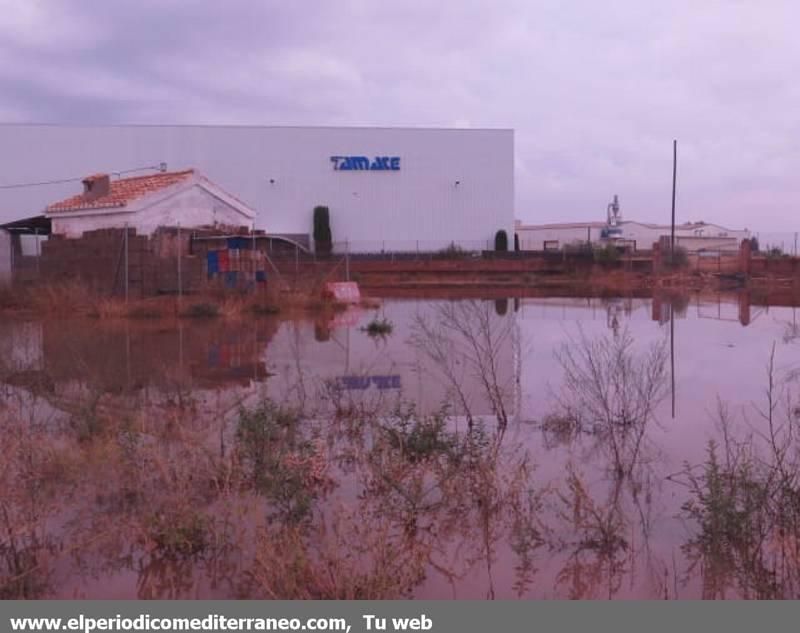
[(551, 245)]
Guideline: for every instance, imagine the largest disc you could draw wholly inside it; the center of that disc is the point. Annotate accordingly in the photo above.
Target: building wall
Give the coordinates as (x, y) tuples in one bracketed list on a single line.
[(97, 260), (643, 236), (194, 207), (284, 172)]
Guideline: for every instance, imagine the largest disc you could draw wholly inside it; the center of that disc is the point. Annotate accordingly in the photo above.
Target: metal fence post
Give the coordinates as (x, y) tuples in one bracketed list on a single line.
[(38, 252), (126, 262), (347, 260), (180, 276)]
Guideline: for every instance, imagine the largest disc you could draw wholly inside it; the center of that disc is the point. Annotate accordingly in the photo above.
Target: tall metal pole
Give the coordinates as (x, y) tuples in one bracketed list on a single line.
[(674, 175)]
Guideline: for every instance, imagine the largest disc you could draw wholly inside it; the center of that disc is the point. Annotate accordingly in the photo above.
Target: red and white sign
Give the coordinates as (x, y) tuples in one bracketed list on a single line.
[(344, 291), (349, 318)]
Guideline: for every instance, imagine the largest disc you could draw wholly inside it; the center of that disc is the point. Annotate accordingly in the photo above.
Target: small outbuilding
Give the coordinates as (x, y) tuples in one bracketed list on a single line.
[(145, 203)]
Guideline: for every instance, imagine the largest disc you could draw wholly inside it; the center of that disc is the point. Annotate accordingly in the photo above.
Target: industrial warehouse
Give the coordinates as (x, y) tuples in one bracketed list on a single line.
[(384, 188), (224, 199)]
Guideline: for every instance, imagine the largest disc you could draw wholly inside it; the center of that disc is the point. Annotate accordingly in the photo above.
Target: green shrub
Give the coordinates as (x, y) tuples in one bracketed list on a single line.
[(674, 260), (323, 240), (501, 241), (178, 534), (419, 437), (606, 255), (453, 251), (776, 252)]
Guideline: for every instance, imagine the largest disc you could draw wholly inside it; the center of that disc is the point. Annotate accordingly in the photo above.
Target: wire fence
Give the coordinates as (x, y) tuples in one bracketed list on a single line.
[(782, 243), (130, 265)]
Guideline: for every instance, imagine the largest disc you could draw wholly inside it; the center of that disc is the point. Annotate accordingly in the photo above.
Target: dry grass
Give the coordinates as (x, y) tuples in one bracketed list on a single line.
[(65, 299)]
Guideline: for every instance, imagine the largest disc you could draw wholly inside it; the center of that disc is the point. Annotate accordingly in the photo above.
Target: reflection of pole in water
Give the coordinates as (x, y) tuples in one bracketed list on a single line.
[(672, 356), (128, 353), (180, 347)]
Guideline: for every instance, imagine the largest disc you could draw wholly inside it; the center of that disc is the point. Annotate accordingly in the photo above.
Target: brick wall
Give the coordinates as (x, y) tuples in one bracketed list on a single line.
[(98, 260)]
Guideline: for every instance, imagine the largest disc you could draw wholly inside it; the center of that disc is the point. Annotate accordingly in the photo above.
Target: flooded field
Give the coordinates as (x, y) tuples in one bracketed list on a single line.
[(522, 448)]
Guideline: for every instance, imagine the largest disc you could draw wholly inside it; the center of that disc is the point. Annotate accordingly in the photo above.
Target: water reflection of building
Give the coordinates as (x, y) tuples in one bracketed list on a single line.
[(614, 310), (716, 306), (307, 358), (123, 356)]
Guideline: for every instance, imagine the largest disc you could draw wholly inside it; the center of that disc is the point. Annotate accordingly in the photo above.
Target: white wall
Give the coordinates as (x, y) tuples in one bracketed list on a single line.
[(420, 202), (533, 237), (193, 207)]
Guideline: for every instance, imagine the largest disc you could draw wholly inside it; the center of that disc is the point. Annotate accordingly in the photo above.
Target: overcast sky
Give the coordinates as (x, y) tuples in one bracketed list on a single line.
[(596, 91)]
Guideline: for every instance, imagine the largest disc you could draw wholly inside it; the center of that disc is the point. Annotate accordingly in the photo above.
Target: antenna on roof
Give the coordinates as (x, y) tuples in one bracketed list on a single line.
[(162, 167)]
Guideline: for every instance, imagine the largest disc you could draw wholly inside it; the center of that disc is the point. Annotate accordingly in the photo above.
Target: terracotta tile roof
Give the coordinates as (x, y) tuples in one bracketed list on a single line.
[(122, 191)]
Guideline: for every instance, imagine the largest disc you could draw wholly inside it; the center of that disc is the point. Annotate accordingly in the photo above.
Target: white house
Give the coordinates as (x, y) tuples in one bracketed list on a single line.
[(145, 203)]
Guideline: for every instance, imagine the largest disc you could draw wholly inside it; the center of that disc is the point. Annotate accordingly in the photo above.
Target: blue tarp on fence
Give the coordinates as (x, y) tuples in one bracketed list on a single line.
[(213, 263)]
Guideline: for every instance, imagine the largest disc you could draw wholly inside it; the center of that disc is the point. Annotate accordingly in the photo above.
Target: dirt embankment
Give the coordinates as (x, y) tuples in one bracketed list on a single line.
[(75, 300)]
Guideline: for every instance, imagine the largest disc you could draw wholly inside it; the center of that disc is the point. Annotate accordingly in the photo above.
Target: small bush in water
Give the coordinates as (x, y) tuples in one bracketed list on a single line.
[(178, 534), (379, 327)]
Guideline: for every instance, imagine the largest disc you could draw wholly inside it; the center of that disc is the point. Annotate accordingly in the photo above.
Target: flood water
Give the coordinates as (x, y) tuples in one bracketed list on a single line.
[(568, 447)]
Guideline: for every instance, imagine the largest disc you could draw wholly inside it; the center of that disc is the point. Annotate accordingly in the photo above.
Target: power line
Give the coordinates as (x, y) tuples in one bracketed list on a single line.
[(162, 168), (39, 184)]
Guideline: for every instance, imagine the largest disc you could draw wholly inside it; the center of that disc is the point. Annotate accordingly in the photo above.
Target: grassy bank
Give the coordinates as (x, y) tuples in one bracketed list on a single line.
[(76, 300)]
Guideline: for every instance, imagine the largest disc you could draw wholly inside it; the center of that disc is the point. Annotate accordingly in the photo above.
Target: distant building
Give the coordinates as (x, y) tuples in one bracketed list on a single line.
[(694, 236), (145, 203)]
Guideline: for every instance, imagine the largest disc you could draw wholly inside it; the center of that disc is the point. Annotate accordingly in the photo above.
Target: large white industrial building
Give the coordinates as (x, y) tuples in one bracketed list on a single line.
[(386, 188), (635, 235)]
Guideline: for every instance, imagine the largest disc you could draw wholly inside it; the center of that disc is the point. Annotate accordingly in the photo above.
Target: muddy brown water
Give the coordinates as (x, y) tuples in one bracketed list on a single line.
[(480, 449)]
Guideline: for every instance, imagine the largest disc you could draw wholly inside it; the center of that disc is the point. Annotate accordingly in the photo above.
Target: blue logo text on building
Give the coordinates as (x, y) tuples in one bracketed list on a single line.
[(363, 163)]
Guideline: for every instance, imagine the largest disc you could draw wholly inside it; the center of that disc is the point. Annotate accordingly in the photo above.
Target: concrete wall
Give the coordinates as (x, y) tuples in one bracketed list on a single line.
[(283, 172), (193, 207), (97, 260)]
